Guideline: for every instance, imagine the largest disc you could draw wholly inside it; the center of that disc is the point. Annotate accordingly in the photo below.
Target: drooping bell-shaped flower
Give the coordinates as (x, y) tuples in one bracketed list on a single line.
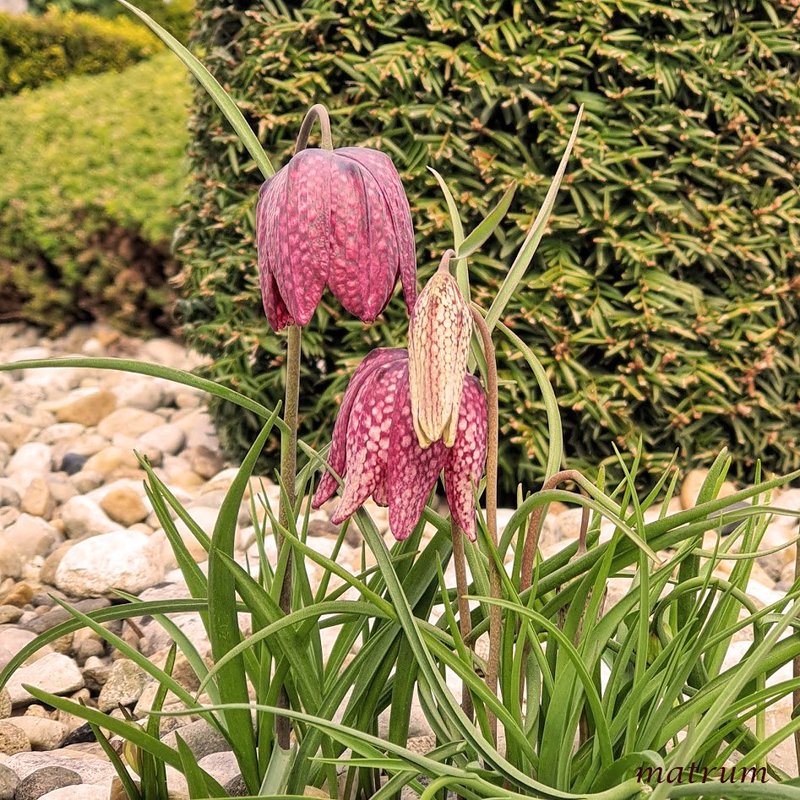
[(438, 350), (375, 448), (336, 218)]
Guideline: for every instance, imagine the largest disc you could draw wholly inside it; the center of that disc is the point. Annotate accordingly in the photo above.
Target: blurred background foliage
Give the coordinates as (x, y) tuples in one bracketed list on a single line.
[(36, 50), (93, 169), (664, 299), (174, 15)]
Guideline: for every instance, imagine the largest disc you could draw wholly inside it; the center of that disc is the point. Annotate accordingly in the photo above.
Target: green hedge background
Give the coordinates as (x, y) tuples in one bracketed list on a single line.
[(37, 50), (93, 168), (664, 299)]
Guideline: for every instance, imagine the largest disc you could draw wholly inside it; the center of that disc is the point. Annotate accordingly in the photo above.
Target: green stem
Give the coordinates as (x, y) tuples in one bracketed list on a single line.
[(464, 618), (288, 477), (796, 667), (495, 612), (289, 435)]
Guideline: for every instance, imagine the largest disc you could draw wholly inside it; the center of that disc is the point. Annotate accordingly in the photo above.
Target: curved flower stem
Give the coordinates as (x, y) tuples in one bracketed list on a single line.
[(316, 112), (531, 543), (796, 665), (495, 612), (464, 618)]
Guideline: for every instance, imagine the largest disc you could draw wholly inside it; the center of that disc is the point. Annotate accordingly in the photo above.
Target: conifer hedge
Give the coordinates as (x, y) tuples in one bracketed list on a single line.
[(664, 299)]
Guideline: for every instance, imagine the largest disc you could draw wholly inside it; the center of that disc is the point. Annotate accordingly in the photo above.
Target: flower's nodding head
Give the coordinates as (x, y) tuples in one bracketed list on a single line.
[(335, 218), (438, 350), (375, 448)]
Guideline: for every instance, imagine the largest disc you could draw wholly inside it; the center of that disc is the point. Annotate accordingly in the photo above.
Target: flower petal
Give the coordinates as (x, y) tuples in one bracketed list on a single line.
[(411, 471), (269, 198), (438, 351), (382, 169), (466, 459), (368, 438), (338, 451), (298, 232), (363, 247)]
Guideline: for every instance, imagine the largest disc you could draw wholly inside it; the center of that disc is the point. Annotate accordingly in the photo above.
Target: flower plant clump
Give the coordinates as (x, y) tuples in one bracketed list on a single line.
[(575, 697)]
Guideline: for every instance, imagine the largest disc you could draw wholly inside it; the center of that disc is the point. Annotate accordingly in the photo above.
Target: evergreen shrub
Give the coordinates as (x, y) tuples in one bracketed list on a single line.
[(663, 300)]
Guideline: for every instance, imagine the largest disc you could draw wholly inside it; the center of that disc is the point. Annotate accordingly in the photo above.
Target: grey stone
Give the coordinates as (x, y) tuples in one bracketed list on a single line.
[(236, 787), (45, 780), (56, 615), (119, 560), (201, 738), (43, 733), (222, 766), (96, 673), (54, 673), (8, 782), (124, 686), (72, 463), (92, 769)]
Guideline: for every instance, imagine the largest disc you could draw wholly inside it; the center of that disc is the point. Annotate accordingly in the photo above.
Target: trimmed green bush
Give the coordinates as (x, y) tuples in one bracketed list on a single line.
[(92, 169), (175, 15), (35, 50), (672, 313)]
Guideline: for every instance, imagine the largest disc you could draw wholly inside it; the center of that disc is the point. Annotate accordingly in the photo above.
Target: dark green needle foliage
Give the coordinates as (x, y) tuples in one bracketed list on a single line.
[(663, 300)]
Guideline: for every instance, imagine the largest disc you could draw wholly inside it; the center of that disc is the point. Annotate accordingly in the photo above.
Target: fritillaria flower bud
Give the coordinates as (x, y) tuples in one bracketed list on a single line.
[(335, 218), (375, 449), (438, 350)]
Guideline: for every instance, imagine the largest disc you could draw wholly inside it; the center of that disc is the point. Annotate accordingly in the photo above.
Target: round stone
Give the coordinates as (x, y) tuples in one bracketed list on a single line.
[(123, 505), (72, 463), (8, 783), (45, 780), (12, 739), (124, 686), (88, 409), (43, 733), (33, 457), (118, 560)]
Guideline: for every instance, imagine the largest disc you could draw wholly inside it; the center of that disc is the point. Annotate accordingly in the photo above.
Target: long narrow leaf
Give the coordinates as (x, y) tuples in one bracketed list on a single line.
[(214, 89), (528, 249)]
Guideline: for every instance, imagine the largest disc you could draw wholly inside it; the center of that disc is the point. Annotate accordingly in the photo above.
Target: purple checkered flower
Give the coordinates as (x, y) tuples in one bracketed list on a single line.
[(335, 218), (375, 448)]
